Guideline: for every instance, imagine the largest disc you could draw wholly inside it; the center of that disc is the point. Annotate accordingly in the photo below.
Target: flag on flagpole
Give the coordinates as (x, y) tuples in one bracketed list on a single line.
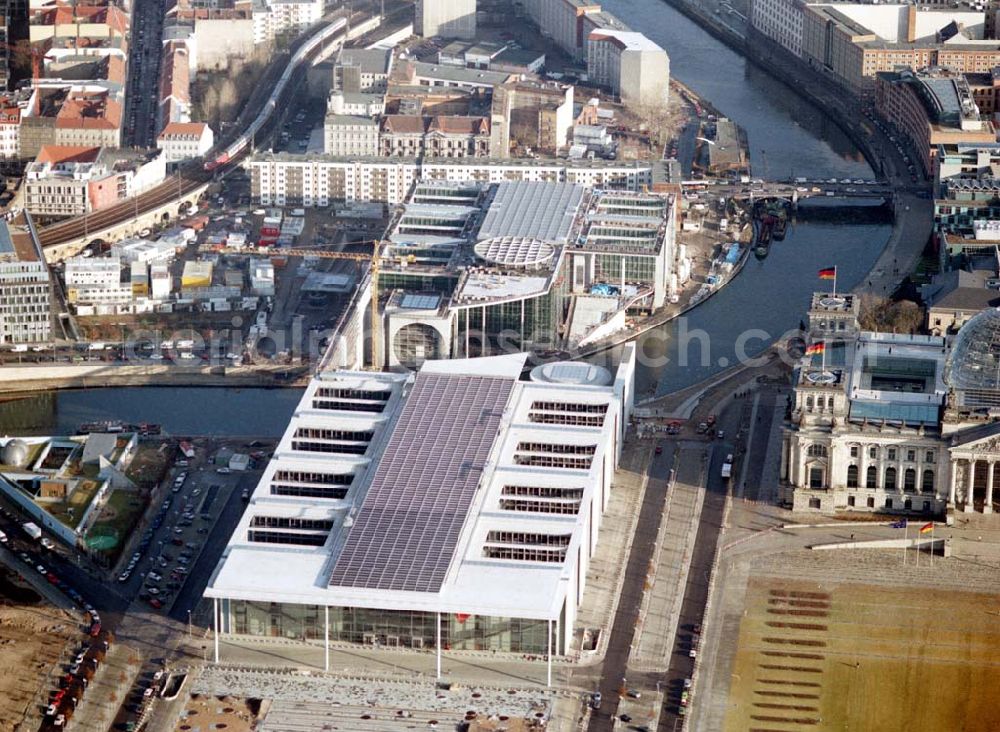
[(927, 527), (901, 524), (816, 348), (828, 273)]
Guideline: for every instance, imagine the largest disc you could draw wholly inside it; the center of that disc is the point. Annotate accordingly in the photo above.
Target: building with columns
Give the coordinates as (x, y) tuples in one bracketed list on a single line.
[(891, 422)]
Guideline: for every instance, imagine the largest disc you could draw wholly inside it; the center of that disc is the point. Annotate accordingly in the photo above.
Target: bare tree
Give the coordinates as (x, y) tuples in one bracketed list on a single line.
[(890, 316)]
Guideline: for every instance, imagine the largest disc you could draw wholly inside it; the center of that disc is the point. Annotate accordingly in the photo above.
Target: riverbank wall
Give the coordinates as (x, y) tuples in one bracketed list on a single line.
[(16, 380)]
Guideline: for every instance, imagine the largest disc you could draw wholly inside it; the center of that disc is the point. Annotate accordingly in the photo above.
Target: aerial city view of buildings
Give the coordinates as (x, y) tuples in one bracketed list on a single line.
[(499, 365)]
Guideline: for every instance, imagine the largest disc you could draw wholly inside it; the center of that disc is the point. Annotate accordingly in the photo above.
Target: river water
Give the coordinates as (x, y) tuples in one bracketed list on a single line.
[(788, 137)]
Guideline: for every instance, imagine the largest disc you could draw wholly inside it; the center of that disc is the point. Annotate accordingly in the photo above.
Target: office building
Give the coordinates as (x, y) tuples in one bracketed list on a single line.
[(25, 288), (931, 108), (445, 18), (630, 65), (491, 487), (540, 264)]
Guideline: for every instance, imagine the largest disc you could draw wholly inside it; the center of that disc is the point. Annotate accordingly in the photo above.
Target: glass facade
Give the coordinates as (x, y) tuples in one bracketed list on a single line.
[(444, 284), (637, 268), (404, 628)]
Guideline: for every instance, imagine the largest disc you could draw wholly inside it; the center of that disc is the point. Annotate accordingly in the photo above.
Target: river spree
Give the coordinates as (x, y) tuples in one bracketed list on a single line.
[(788, 137)]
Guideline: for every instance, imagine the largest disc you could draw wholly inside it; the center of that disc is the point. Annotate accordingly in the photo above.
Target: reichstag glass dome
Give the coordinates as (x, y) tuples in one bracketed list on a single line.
[(974, 362)]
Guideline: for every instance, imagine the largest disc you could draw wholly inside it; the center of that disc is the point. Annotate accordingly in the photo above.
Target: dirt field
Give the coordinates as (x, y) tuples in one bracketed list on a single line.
[(861, 657), (33, 638)]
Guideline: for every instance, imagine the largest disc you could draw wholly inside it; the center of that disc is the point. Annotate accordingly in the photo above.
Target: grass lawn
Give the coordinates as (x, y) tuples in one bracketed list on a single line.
[(120, 513), (78, 501), (864, 657)]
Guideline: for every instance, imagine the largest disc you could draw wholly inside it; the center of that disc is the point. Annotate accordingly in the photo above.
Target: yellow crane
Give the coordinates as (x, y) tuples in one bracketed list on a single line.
[(374, 259)]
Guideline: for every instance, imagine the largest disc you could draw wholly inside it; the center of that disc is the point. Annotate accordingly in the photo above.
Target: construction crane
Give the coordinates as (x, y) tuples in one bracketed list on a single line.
[(374, 259)]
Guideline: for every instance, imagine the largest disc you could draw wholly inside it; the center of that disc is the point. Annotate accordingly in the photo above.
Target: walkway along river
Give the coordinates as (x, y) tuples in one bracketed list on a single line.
[(788, 137)]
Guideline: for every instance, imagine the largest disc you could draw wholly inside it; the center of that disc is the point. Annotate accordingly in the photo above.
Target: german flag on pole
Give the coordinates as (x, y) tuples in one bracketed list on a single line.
[(816, 349), (828, 273), (927, 528)]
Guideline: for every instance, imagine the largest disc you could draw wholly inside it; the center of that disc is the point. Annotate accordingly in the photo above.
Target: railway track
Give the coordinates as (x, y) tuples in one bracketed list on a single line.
[(193, 176)]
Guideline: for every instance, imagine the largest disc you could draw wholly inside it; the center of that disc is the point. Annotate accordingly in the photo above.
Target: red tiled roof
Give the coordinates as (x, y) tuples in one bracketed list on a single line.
[(92, 110), (10, 115), (448, 124), (404, 124), (175, 79), (67, 154), (183, 129)]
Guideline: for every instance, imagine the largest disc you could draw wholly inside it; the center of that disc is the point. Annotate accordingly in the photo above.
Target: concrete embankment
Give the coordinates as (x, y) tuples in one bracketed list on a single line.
[(26, 379)]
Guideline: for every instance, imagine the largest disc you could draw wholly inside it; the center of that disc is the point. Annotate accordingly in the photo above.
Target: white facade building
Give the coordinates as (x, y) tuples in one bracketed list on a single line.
[(182, 141), (310, 180), (96, 281), (345, 135), (143, 250), (25, 288), (631, 65), (492, 489), (445, 18), (273, 18), (160, 282)]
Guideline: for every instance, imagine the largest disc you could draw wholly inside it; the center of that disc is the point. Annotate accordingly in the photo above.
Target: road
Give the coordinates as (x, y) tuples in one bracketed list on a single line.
[(142, 96), (623, 627), (615, 676), (696, 590)]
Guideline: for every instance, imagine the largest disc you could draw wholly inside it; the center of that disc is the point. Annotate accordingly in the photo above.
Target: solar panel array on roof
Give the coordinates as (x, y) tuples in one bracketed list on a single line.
[(532, 209), (405, 533)]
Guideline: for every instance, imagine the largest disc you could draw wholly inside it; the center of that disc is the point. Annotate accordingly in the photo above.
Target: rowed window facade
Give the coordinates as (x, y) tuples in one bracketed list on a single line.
[(566, 508), (267, 536), (284, 522)]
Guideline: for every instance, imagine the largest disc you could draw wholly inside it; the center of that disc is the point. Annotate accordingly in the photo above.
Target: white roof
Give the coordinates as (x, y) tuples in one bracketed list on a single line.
[(467, 580), (484, 286), (629, 40)]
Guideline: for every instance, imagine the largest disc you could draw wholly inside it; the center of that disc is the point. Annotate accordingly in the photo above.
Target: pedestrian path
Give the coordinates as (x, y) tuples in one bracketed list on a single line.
[(668, 570), (614, 541)]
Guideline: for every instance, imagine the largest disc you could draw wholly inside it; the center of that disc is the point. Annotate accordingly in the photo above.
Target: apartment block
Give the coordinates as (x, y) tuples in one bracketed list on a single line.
[(317, 180)]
